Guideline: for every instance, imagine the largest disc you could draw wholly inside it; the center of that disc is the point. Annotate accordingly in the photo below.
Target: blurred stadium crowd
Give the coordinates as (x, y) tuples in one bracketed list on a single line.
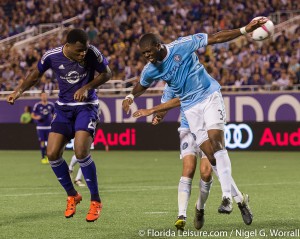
[(115, 27)]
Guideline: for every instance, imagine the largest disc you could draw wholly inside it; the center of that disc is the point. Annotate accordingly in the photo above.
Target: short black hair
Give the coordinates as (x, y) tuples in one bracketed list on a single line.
[(77, 35), (149, 39)]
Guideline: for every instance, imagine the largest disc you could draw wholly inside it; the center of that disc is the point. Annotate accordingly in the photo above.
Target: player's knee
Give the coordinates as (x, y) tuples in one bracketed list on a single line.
[(52, 155), (206, 174), (188, 171), (216, 136), (81, 153), (216, 145)]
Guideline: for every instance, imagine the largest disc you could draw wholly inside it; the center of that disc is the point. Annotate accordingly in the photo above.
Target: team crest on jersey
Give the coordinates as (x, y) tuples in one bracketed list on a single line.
[(184, 145), (177, 58)]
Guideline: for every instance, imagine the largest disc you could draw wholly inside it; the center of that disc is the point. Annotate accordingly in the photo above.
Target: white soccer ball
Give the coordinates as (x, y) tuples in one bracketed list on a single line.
[(263, 32)]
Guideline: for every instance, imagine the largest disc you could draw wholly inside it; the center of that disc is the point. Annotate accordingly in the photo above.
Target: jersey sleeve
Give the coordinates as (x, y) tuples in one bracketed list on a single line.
[(34, 110), (146, 80), (98, 60), (167, 95), (193, 42), (44, 63)]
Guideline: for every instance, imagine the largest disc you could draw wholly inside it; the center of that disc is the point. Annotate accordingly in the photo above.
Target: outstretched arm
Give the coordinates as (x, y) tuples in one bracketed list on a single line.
[(173, 103), (136, 91), (30, 81), (228, 35)]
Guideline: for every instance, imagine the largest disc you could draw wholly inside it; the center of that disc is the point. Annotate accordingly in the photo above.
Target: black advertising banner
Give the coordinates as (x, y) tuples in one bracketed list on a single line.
[(261, 136)]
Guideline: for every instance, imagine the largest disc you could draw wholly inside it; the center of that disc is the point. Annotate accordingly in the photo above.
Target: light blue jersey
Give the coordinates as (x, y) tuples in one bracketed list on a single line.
[(182, 71), (168, 94)]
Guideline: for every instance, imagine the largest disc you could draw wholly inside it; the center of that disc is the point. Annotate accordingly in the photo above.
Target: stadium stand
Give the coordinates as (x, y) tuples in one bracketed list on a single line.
[(115, 27)]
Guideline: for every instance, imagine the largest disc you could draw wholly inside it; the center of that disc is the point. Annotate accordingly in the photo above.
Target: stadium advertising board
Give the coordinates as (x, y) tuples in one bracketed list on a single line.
[(239, 107), (144, 136)]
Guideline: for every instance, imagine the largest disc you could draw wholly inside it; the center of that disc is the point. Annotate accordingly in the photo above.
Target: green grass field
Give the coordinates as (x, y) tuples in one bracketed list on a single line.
[(139, 193)]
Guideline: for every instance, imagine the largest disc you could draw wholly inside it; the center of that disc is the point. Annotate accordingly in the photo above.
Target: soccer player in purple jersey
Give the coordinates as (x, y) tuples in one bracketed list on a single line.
[(42, 114), (76, 111)]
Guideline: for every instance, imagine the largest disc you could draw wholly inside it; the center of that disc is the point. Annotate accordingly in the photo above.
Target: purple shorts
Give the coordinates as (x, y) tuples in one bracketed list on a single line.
[(43, 134), (69, 119)]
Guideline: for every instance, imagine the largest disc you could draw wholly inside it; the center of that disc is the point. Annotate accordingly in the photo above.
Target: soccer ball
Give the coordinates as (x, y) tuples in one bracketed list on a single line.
[(263, 32)]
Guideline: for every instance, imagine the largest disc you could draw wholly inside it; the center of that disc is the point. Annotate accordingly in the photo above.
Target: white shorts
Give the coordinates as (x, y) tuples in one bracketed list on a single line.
[(188, 145), (207, 113)]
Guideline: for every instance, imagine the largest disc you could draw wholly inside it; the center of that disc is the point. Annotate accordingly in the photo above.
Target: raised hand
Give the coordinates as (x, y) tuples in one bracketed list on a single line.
[(254, 24), (126, 104)]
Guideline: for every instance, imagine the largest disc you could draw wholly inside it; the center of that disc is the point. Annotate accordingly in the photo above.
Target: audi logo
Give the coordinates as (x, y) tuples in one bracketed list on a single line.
[(238, 136)]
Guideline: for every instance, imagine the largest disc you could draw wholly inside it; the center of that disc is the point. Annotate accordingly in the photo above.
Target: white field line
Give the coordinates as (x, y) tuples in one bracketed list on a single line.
[(125, 189)]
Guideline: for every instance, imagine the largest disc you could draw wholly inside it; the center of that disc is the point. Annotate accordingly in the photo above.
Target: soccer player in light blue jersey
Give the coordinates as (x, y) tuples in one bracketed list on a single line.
[(42, 114), (199, 94), (76, 111), (189, 151)]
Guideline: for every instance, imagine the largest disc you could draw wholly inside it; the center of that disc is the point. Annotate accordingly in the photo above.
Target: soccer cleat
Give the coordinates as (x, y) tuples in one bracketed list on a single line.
[(245, 210), (44, 160), (180, 223), (94, 212), (72, 201), (79, 183), (226, 206), (199, 218)]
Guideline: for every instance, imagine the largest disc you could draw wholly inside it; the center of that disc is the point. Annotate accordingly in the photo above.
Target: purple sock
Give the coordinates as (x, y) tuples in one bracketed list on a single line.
[(89, 172), (43, 151), (61, 170)]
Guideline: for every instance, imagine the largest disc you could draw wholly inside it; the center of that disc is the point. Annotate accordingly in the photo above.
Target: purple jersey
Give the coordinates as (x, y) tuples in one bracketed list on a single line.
[(46, 112), (72, 75)]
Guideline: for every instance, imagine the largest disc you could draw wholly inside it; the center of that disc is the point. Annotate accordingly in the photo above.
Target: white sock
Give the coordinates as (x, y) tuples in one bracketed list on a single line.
[(224, 171), (79, 175), (73, 162), (184, 192), (204, 192), (235, 192)]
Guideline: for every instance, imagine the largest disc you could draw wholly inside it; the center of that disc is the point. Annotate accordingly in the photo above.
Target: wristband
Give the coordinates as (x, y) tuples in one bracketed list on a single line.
[(130, 96), (243, 30)]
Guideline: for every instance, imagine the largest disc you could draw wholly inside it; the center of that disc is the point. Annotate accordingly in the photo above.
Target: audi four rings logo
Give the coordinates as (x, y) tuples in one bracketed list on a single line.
[(238, 136)]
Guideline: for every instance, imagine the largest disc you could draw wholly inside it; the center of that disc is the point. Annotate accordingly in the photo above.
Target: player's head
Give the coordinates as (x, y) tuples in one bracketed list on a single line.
[(76, 44), (43, 96), (151, 47)]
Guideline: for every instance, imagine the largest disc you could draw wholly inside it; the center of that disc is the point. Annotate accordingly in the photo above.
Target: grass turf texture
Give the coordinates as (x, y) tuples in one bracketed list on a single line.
[(139, 192)]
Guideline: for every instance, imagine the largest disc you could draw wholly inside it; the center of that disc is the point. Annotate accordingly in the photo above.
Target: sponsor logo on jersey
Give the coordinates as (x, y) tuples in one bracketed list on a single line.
[(73, 77), (172, 71)]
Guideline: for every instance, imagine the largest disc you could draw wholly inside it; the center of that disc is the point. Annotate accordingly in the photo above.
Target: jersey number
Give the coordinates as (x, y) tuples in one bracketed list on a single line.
[(221, 113)]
